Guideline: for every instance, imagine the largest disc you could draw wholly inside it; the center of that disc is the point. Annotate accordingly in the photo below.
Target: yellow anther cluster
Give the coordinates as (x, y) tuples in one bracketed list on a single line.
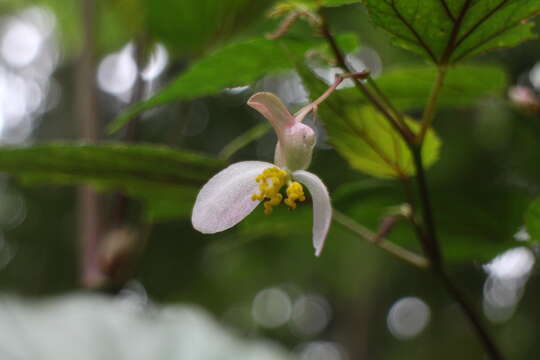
[(270, 183), (295, 192)]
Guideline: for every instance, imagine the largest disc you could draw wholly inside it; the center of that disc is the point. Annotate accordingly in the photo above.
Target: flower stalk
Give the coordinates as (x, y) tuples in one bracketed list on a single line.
[(366, 234)]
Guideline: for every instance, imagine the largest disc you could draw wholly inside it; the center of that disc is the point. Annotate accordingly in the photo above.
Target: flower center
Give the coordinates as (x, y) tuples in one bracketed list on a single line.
[(270, 183)]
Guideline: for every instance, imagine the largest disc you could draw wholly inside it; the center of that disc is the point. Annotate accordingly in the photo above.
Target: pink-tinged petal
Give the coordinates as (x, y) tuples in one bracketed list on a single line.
[(273, 109), (226, 198), (322, 208)]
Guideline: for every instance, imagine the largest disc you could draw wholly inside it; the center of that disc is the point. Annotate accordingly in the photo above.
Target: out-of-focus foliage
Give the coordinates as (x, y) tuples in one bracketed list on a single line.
[(194, 26), (188, 27), (319, 3), (164, 178), (449, 30), (466, 85), (532, 220), (478, 237), (339, 2), (238, 64)]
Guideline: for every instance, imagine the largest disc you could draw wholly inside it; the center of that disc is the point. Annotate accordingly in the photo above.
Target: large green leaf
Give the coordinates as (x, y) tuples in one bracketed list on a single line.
[(409, 87), (234, 65), (166, 179), (532, 220), (447, 31)]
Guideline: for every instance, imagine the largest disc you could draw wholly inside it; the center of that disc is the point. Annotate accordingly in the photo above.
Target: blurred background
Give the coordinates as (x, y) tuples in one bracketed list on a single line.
[(67, 68)]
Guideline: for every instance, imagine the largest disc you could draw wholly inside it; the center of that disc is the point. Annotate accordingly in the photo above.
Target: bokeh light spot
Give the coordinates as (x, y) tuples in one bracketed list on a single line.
[(408, 317), (21, 43), (310, 315), (117, 72), (271, 307), (321, 350)]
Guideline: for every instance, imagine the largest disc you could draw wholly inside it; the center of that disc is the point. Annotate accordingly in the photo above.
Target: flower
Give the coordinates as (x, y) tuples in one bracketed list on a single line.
[(235, 192)]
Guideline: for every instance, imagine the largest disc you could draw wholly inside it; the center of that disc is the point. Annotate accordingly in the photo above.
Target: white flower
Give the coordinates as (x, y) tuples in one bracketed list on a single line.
[(235, 192)]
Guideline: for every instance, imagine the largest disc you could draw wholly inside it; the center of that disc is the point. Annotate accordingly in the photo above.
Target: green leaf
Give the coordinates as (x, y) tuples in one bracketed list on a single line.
[(339, 2), (167, 180), (532, 220), (370, 144), (364, 137), (234, 65), (409, 86), (316, 4), (191, 27), (447, 31)]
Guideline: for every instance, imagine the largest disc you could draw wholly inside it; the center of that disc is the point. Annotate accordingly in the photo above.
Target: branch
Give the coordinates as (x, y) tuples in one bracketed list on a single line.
[(390, 247), (431, 247), (89, 202), (429, 238), (385, 98), (400, 127), (429, 112), (471, 313)]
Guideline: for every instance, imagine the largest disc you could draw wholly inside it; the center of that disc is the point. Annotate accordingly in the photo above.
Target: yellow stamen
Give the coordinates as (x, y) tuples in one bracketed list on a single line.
[(295, 192), (270, 182)]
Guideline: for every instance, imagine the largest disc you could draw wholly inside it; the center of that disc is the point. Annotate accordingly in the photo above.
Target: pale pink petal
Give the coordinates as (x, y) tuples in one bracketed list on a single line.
[(272, 108), (322, 208), (226, 198)]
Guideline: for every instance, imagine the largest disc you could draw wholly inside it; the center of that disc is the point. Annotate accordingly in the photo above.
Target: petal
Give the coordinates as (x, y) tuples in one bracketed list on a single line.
[(226, 198), (272, 108), (322, 208)]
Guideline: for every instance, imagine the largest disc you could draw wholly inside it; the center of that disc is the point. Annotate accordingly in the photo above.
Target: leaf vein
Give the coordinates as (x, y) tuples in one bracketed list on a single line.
[(447, 10), (481, 21), (411, 28)]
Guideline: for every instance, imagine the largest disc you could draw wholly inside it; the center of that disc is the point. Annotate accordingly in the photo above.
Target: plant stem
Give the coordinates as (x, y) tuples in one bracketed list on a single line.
[(390, 247), (429, 113), (89, 202), (429, 239), (401, 128), (385, 98), (426, 231), (471, 313), (431, 247)]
